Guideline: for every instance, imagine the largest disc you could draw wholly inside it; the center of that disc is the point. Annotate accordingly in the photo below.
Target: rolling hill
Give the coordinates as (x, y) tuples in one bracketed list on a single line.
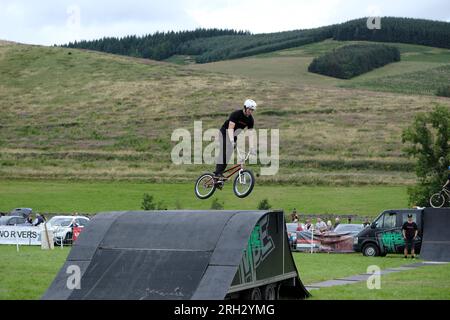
[(76, 114), (214, 45), (422, 69)]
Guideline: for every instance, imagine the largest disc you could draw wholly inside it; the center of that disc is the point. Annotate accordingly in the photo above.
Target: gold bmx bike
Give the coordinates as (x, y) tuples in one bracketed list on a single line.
[(243, 183)]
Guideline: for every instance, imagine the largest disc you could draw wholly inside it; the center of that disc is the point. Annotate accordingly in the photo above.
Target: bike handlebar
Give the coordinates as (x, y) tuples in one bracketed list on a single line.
[(239, 155)]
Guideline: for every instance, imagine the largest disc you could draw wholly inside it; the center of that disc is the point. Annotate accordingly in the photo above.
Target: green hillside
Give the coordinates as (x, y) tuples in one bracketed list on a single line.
[(208, 45), (422, 70), (73, 114)]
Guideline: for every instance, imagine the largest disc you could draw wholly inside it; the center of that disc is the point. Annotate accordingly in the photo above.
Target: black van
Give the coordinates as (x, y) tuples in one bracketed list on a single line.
[(384, 235)]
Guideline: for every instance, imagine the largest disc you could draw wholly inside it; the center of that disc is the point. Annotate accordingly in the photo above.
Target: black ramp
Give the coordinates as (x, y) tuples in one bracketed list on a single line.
[(171, 255), (436, 235)]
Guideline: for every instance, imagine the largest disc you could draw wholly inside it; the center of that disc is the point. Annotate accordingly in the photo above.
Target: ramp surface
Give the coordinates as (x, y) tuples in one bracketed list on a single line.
[(436, 235), (172, 255)]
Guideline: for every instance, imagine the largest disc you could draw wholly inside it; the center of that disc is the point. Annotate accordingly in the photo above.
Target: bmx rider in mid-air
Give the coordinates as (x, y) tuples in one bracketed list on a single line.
[(237, 121)]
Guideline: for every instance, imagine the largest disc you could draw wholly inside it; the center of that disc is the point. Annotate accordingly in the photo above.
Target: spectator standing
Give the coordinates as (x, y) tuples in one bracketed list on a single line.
[(294, 216), (366, 222), (39, 219), (320, 225), (329, 225), (308, 225), (409, 231), (337, 221), (29, 220)]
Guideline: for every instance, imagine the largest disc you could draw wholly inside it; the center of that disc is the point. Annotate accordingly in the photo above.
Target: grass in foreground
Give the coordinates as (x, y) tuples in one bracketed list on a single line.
[(85, 197), (425, 283), (319, 267), (28, 273)]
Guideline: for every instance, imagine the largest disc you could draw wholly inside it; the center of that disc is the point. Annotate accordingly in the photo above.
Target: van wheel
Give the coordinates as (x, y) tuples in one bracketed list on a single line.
[(253, 294), (371, 250), (271, 292)]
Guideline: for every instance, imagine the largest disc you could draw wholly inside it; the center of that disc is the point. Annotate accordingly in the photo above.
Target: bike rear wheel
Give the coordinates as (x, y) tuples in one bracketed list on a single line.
[(205, 186), (437, 200), (243, 184)]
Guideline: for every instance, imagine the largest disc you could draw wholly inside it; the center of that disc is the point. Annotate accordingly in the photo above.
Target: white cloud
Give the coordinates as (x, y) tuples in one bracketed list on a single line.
[(262, 16), (49, 22)]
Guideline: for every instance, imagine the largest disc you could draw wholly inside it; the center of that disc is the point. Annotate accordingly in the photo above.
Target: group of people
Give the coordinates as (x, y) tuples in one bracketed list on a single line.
[(40, 218), (320, 226)]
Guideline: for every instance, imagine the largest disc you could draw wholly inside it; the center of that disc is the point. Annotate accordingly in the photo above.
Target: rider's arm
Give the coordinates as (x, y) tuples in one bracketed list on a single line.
[(252, 139), (230, 130)]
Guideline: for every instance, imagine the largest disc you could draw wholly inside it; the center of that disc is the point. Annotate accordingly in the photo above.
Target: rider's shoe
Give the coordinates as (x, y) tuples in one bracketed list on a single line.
[(219, 185), (218, 180)]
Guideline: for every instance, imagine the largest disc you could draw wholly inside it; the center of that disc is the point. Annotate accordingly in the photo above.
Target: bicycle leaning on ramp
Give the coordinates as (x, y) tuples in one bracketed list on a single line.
[(243, 183)]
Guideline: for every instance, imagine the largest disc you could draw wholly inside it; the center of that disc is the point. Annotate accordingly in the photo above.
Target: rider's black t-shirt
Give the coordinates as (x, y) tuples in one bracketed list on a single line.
[(410, 229), (240, 119)]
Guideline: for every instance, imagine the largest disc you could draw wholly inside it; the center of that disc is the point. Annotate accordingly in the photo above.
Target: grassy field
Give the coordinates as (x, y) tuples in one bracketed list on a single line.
[(85, 197), (323, 266), (31, 271), (422, 70), (425, 283), (79, 115)]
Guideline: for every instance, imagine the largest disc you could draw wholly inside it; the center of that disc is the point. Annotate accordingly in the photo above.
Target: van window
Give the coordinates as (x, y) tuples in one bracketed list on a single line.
[(389, 220)]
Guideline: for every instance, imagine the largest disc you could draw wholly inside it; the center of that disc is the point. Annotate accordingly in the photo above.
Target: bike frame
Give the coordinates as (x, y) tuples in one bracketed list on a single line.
[(446, 192), (237, 167)]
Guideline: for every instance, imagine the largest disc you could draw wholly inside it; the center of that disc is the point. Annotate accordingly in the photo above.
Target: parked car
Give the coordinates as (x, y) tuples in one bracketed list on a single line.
[(13, 221), (62, 227), (21, 212), (385, 234), (347, 228)]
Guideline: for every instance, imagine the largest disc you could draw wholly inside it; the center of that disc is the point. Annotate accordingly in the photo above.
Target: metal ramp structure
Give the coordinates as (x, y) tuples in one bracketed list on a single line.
[(198, 255), (436, 235)]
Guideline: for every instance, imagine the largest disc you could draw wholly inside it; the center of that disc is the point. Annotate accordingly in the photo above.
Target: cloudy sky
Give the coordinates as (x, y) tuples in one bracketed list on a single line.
[(60, 21)]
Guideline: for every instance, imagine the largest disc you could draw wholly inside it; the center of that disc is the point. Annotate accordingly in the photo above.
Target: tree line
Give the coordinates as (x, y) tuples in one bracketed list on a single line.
[(208, 45), (157, 46), (352, 60)]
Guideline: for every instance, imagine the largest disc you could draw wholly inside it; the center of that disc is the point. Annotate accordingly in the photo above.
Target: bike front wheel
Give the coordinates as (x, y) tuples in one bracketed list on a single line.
[(205, 186), (243, 184), (437, 200)]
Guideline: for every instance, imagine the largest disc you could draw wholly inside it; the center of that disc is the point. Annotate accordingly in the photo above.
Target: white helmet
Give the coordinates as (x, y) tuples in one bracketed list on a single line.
[(250, 104)]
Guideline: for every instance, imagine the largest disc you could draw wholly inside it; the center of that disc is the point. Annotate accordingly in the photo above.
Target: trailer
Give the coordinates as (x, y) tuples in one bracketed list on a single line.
[(188, 255)]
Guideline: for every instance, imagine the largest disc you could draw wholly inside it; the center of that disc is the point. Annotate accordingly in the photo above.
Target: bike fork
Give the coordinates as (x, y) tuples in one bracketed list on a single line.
[(241, 177)]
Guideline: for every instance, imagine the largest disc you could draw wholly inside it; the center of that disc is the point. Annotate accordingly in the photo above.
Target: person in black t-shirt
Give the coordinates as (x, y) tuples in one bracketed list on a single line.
[(409, 231), (238, 120), (447, 184)]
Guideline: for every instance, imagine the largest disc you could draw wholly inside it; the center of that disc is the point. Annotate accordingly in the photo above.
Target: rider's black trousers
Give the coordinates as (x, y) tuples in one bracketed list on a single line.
[(226, 150)]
